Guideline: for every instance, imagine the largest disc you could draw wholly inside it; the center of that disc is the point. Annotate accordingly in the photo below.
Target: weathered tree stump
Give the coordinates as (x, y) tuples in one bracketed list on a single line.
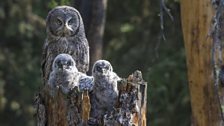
[(132, 100), (73, 109)]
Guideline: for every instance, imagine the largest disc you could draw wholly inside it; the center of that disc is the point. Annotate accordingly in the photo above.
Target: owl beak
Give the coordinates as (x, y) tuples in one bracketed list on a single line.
[(64, 66), (103, 71), (67, 28)]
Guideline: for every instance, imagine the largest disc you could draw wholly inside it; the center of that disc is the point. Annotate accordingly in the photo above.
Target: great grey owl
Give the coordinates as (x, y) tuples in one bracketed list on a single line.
[(105, 92), (65, 34), (64, 74)]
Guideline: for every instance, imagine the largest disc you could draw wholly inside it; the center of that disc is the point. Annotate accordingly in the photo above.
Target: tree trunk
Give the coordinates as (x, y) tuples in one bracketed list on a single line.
[(85, 9), (96, 30), (196, 23), (94, 16)]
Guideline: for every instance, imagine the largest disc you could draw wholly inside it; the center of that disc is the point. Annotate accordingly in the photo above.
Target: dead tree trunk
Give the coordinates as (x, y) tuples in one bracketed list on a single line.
[(96, 30), (196, 18), (94, 20)]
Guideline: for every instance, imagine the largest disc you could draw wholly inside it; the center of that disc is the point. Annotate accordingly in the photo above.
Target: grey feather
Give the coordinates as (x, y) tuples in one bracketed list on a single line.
[(86, 83)]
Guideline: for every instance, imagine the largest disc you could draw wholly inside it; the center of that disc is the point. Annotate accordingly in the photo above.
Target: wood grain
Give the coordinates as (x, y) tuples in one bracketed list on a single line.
[(196, 18)]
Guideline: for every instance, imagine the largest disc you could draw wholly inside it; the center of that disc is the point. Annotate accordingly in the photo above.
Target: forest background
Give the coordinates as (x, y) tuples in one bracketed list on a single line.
[(132, 40)]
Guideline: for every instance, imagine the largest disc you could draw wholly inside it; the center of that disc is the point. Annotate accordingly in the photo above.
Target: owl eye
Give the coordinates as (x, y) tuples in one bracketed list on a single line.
[(58, 63), (107, 67), (58, 22), (98, 69), (71, 21), (69, 63)]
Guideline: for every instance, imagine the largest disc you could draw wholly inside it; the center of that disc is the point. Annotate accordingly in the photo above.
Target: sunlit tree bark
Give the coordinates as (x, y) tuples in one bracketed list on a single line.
[(196, 18)]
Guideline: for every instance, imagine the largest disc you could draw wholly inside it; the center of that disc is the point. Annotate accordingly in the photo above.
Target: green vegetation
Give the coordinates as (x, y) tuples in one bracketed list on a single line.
[(132, 41)]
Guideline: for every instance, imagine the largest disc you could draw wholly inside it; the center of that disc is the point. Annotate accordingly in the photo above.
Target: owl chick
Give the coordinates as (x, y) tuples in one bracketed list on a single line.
[(65, 34), (105, 92), (64, 74)]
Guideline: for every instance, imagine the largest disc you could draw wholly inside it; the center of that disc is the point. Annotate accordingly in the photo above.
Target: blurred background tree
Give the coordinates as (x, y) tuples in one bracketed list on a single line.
[(131, 41)]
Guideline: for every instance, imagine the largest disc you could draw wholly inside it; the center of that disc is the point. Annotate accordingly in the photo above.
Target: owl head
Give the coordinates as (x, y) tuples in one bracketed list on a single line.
[(64, 62), (63, 21), (102, 68)]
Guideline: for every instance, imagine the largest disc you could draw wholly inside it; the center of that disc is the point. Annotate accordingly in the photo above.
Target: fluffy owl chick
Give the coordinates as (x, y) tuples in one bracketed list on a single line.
[(105, 92), (64, 75)]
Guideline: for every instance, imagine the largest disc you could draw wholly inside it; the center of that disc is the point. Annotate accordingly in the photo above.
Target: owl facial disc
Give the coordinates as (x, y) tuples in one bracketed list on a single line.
[(102, 67), (64, 62), (63, 21)]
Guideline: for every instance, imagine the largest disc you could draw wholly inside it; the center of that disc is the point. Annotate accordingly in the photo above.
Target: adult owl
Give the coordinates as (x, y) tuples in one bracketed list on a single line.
[(65, 34), (105, 92)]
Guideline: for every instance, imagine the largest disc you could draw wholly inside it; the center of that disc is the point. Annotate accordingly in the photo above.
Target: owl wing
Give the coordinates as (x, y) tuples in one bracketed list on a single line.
[(83, 65), (43, 61), (86, 83), (86, 56), (52, 80)]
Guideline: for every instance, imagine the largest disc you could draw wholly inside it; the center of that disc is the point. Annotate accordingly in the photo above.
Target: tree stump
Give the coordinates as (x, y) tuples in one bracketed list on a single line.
[(73, 109)]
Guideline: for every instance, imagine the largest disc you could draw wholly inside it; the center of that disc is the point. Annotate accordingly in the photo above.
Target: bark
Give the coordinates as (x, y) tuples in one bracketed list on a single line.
[(196, 18), (131, 105), (217, 34)]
